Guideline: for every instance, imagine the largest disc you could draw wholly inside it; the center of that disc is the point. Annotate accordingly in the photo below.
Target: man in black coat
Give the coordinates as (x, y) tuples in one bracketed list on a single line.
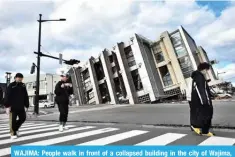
[(16, 100), (201, 103), (63, 90)]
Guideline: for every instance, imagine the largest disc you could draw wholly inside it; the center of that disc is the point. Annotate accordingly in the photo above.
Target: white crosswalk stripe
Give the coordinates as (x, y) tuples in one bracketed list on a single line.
[(115, 138), (48, 134), (218, 141), (163, 139), (25, 127), (34, 131), (7, 125)]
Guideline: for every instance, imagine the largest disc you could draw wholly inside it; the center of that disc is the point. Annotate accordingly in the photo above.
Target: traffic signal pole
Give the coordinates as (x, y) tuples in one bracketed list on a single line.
[(36, 103), (69, 62)]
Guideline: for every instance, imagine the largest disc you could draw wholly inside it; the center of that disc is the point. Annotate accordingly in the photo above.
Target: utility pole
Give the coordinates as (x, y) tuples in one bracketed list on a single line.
[(36, 105)]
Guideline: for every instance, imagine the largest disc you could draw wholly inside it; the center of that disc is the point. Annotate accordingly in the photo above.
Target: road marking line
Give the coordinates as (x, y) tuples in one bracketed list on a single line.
[(218, 141), (73, 137), (33, 136), (163, 139), (115, 138), (31, 131), (7, 151), (29, 127), (7, 125), (23, 126)]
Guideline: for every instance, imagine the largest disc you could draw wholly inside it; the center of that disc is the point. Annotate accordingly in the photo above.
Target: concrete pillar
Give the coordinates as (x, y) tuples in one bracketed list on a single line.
[(77, 86), (168, 62), (94, 81), (126, 75), (109, 76)]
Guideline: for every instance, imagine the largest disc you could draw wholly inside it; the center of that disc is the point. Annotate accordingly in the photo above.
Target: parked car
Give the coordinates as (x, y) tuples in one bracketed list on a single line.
[(46, 104)]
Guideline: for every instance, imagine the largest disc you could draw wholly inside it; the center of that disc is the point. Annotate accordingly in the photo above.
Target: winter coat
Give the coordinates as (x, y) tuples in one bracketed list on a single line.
[(62, 94), (16, 96), (201, 103)]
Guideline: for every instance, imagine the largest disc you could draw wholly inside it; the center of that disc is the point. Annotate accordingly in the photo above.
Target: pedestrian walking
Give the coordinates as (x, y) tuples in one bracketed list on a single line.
[(201, 108), (16, 103), (63, 90)]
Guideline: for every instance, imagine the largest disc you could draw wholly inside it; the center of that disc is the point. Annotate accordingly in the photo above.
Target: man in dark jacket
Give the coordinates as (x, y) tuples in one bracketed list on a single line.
[(16, 100), (201, 103), (63, 90)]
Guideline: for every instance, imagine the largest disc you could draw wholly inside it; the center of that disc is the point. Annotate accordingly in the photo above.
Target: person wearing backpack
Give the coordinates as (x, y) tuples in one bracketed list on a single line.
[(201, 108)]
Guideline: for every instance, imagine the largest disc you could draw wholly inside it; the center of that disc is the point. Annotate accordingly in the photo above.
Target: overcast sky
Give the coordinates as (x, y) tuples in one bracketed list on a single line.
[(94, 25)]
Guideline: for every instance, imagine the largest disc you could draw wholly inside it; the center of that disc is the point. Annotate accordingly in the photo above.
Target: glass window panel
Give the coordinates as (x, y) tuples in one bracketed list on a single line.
[(159, 57)]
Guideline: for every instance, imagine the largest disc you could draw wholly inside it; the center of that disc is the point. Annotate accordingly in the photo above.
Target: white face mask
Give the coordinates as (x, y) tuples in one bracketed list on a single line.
[(204, 72)]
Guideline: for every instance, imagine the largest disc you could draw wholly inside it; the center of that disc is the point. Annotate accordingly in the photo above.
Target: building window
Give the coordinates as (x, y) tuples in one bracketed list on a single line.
[(91, 95), (87, 84), (137, 80), (182, 55), (128, 52), (159, 57), (178, 45), (186, 66), (111, 59), (166, 78), (114, 69), (132, 63), (157, 48), (99, 70), (85, 74)]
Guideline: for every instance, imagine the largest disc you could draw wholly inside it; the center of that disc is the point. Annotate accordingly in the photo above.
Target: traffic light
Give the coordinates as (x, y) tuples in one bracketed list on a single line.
[(32, 69), (72, 62), (213, 62)]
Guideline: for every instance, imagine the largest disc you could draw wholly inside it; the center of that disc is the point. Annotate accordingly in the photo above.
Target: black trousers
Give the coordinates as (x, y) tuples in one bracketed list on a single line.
[(206, 127), (16, 124), (63, 109), (206, 123)]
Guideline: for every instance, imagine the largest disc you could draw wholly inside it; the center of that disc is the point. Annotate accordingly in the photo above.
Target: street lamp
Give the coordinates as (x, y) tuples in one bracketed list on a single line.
[(36, 107), (8, 78)]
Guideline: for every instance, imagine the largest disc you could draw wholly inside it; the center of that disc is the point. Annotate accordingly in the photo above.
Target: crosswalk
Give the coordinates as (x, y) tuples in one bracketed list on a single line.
[(33, 133)]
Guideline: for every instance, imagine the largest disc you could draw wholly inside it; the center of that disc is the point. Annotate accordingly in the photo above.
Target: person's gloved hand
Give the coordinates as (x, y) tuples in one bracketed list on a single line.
[(62, 86), (8, 110)]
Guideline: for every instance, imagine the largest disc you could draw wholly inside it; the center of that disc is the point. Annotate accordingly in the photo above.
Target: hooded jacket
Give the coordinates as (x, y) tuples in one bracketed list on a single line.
[(16, 96)]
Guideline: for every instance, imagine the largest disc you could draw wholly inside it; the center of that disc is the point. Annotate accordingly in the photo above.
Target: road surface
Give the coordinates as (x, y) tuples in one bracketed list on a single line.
[(44, 133), (176, 114)]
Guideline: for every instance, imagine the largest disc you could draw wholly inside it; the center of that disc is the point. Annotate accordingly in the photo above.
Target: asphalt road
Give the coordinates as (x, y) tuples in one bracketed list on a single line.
[(151, 114), (44, 133)]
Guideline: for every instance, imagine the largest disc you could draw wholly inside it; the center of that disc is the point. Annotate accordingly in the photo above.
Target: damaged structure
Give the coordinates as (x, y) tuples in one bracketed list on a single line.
[(140, 70)]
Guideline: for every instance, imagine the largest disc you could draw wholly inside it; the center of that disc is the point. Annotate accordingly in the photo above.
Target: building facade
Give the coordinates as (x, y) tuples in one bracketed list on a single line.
[(140, 70), (47, 86)]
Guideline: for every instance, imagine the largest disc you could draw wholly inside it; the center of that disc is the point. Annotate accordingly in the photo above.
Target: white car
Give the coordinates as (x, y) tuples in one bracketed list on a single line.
[(46, 104)]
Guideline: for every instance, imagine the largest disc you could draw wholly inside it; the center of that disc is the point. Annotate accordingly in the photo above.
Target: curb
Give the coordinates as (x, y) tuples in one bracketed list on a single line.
[(87, 110)]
